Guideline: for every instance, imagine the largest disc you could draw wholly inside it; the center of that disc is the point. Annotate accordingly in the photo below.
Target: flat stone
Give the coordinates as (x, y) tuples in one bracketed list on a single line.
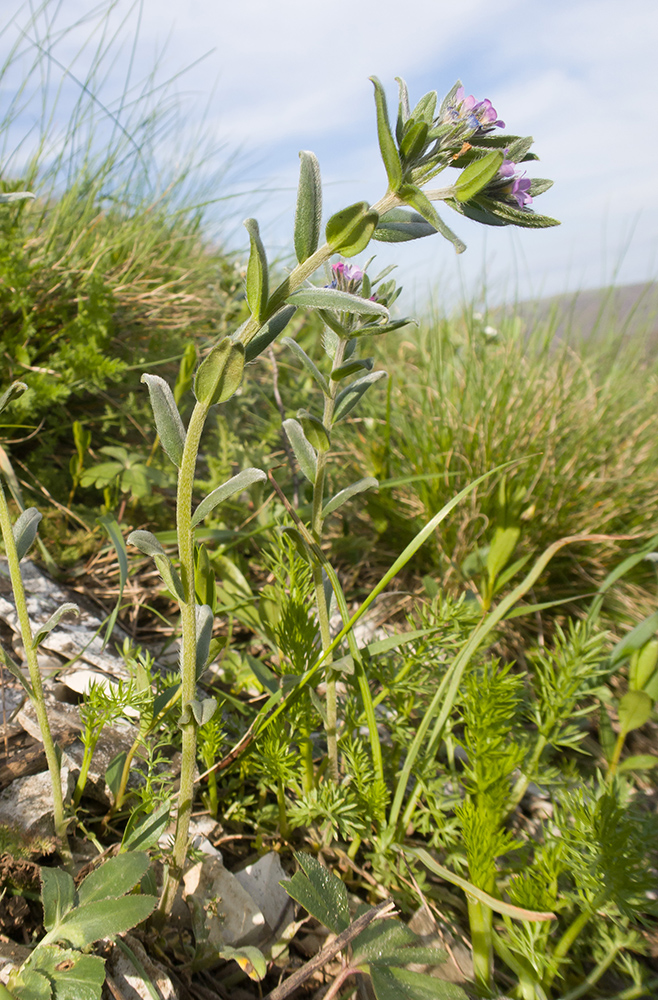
[(261, 881), (28, 802), (129, 981), (232, 916)]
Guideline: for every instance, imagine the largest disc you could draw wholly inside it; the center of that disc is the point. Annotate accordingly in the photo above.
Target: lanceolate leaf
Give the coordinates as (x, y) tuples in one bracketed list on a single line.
[(268, 333), (635, 709), (15, 671), (257, 281), (57, 895), (418, 200), (102, 918), (387, 146), (111, 526), (15, 390), (400, 226), (334, 298), (220, 374), (635, 639), (477, 175), (359, 487), (147, 543), (25, 530), (309, 365), (168, 421), (303, 449), (204, 623), (308, 215), (237, 484), (115, 877), (349, 397), (48, 626), (350, 230), (315, 431)]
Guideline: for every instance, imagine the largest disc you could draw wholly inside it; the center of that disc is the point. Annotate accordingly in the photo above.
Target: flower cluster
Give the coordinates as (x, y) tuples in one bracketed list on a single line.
[(347, 277), (480, 116)]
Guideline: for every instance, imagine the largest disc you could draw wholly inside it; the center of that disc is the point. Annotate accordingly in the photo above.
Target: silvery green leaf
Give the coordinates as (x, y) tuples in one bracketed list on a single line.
[(235, 485), (308, 214), (403, 107), (400, 226), (147, 543), (309, 365), (369, 483), (25, 530), (111, 526), (315, 431), (48, 626), (257, 280), (219, 375), (334, 298), (198, 711), (13, 196), (204, 623), (269, 332), (350, 396), (351, 368), (387, 146), (302, 447), (168, 421), (333, 333), (538, 185), (15, 390), (350, 230)]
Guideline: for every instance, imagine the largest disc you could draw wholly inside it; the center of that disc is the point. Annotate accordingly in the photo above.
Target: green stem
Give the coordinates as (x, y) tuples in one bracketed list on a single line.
[(593, 976), (524, 779), (616, 754), (185, 536), (480, 920), (565, 943), (35, 675)]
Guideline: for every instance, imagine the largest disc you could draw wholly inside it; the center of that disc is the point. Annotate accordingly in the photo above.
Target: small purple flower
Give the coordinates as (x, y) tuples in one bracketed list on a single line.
[(514, 186), (347, 277), (477, 115)]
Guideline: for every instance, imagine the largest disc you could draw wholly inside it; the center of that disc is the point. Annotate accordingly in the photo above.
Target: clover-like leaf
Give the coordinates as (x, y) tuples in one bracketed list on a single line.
[(237, 484), (308, 214), (168, 421), (25, 530), (43, 630)]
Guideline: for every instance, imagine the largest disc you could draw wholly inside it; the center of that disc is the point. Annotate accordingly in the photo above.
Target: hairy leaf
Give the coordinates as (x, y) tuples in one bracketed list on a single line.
[(57, 895), (334, 298), (25, 530), (369, 483), (43, 630), (387, 146), (309, 365), (257, 280), (308, 214), (237, 484), (269, 332), (168, 421), (347, 399), (302, 447), (220, 374), (114, 878)]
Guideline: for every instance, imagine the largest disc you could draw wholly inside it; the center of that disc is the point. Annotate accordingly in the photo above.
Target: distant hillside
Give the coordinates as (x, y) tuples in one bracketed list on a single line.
[(628, 309)]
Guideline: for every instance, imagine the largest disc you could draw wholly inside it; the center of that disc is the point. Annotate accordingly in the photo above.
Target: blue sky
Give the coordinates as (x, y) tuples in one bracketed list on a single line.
[(278, 77)]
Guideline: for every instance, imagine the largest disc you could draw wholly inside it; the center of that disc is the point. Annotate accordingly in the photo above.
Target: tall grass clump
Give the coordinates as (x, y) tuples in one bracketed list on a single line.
[(469, 395)]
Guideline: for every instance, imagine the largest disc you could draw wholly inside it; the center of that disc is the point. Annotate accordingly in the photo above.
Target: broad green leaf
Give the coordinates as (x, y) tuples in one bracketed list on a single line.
[(635, 708), (114, 878), (501, 549), (199, 711), (257, 280), (251, 960), (400, 226), (320, 892), (383, 942), (111, 526), (43, 630), (147, 543), (387, 146), (268, 332), (204, 624), (308, 214), (57, 895), (237, 484), (302, 447), (74, 976), (638, 762), (103, 918), (347, 399), (635, 639), (400, 984), (144, 831), (477, 175), (349, 231), (220, 374), (25, 530), (339, 301), (351, 368), (309, 365), (416, 198), (315, 431), (168, 421), (15, 390), (369, 483), (29, 985)]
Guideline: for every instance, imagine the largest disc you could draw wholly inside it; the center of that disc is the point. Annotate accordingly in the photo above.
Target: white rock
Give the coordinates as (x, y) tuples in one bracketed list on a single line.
[(232, 916), (28, 802), (128, 980), (261, 880)]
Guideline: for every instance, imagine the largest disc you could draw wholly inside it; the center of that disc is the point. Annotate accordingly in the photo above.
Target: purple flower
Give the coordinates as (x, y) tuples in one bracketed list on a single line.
[(347, 277), (477, 115), (513, 186)]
